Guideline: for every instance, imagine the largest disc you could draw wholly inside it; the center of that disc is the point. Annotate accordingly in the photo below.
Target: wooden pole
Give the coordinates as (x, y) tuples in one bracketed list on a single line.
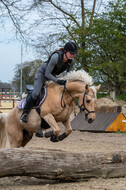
[(61, 165), (0, 99)]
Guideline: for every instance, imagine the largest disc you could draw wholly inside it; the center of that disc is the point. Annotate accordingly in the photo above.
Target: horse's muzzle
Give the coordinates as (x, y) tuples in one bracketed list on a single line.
[(90, 120)]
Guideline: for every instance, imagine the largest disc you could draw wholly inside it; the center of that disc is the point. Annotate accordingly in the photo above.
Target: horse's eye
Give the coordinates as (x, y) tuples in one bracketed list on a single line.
[(88, 101)]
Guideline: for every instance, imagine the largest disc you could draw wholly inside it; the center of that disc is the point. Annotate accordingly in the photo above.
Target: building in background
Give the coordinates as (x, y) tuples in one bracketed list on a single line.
[(5, 89)]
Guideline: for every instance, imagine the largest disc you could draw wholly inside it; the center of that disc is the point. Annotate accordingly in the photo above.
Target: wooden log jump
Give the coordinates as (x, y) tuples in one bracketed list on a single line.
[(61, 165)]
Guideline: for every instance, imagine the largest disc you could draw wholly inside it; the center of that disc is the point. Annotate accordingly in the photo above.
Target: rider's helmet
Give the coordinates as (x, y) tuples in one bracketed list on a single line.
[(71, 47)]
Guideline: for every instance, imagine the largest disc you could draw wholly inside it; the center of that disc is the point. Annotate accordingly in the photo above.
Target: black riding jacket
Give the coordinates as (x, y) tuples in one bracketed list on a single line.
[(56, 66)]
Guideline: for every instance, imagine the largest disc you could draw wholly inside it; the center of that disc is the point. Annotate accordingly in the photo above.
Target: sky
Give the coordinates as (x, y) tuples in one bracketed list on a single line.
[(10, 55)]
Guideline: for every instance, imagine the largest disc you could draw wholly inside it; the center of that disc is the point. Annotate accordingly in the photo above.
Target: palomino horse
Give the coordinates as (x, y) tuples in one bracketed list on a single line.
[(57, 107), (3, 136)]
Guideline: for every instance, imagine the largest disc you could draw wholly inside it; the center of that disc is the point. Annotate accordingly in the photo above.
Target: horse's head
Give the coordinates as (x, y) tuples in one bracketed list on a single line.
[(87, 102)]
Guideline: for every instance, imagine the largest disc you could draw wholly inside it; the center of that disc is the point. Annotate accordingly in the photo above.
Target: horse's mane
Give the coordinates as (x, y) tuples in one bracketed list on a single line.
[(80, 75)]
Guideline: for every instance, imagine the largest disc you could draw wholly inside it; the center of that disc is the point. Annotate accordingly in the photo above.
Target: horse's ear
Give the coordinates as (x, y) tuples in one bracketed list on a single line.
[(98, 87), (86, 87)]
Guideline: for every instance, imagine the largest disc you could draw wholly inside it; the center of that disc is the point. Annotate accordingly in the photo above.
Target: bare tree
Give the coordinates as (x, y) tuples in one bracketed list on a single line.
[(17, 15), (46, 23), (10, 12), (67, 20)]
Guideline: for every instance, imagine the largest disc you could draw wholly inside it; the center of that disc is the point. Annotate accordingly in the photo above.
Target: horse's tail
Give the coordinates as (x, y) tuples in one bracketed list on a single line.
[(3, 134)]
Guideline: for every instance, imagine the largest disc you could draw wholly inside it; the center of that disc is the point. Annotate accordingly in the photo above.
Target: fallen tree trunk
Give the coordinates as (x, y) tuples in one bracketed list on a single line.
[(61, 165)]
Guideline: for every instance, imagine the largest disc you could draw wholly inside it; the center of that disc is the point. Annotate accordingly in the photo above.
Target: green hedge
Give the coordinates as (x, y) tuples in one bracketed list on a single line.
[(121, 97)]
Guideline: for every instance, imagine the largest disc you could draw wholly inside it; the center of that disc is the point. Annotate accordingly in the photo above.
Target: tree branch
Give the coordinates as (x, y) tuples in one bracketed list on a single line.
[(92, 15), (66, 13), (12, 16)]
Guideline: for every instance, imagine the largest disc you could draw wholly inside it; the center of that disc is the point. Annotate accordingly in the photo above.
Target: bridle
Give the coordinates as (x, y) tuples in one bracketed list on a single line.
[(82, 107)]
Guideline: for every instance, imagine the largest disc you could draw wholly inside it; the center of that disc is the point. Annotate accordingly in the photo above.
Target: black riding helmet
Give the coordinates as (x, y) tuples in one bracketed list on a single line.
[(71, 47)]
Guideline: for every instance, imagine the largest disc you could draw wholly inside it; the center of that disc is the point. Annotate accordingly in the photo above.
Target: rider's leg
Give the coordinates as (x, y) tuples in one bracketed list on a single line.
[(29, 105), (31, 100), (38, 83)]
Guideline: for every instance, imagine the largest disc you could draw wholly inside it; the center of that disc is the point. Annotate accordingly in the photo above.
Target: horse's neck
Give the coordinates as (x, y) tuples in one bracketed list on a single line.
[(75, 88)]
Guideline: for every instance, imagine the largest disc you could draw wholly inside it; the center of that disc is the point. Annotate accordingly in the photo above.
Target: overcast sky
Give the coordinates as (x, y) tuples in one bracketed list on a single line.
[(10, 55)]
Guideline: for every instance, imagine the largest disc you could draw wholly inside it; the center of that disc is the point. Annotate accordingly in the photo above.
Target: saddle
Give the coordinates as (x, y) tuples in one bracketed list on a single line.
[(40, 100)]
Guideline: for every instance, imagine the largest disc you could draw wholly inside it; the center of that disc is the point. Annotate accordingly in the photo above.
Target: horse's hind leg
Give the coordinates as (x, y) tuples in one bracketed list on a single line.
[(27, 136), (15, 134)]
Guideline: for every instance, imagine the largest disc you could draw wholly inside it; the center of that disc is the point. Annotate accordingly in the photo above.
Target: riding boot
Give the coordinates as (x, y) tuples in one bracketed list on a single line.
[(28, 106)]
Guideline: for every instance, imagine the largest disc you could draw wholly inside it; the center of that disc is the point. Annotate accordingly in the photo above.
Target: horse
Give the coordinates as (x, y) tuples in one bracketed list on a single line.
[(57, 107), (3, 136)]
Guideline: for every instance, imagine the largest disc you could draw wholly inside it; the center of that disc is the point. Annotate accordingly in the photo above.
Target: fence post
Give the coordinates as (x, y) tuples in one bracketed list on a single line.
[(0, 100), (112, 95), (13, 103)]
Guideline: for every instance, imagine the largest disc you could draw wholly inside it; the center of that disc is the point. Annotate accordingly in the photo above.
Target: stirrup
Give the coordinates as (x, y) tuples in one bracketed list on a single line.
[(24, 118)]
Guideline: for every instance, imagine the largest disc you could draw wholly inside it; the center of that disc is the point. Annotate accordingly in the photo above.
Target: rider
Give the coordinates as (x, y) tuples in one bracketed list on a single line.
[(58, 62)]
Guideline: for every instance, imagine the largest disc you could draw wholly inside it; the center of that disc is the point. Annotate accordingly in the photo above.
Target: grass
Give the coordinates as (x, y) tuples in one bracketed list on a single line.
[(100, 95), (120, 132), (118, 97)]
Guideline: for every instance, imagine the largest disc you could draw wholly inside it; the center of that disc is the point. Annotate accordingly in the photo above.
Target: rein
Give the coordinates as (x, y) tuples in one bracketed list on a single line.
[(82, 107), (63, 106)]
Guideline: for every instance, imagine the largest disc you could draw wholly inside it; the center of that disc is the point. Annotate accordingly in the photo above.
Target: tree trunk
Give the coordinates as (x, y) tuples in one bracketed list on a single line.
[(61, 165)]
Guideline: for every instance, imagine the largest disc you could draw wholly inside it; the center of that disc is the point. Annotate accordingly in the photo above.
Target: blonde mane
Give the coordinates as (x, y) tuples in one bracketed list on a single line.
[(80, 75)]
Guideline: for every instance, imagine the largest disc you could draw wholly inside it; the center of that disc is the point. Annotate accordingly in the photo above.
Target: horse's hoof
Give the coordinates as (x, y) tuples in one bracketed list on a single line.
[(48, 134), (61, 137), (53, 138), (39, 135)]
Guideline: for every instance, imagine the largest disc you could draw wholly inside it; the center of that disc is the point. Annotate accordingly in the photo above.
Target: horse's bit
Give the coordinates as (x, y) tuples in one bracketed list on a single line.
[(82, 107)]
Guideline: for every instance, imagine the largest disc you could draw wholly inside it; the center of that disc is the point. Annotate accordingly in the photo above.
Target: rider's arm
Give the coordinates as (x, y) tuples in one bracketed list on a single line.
[(52, 63)]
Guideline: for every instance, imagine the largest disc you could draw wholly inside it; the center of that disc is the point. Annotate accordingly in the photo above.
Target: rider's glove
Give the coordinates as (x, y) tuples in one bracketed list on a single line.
[(61, 82)]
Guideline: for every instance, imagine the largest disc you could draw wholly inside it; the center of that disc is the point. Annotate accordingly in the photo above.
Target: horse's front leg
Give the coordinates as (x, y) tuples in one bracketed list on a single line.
[(56, 130), (67, 124)]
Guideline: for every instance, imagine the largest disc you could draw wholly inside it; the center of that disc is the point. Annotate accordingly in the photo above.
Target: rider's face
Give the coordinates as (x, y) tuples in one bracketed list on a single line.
[(70, 55)]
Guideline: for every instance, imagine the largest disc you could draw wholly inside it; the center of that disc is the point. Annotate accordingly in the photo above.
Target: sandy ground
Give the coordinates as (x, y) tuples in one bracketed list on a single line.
[(77, 142)]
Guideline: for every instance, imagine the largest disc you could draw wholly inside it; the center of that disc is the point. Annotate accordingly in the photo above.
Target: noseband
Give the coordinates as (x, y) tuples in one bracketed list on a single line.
[(82, 107)]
